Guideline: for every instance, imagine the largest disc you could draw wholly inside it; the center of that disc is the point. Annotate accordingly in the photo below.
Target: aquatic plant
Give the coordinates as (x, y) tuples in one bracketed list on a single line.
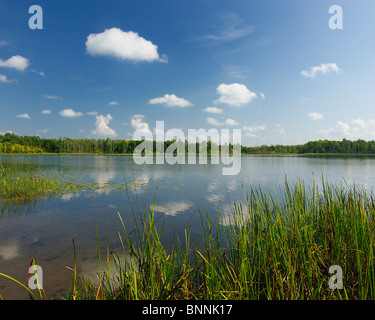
[(278, 248), (271, 249)]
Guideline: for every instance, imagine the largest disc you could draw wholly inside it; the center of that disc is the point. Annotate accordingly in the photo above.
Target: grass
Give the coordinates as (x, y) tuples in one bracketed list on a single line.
[(17, 185), (278, 248), (22, 185)]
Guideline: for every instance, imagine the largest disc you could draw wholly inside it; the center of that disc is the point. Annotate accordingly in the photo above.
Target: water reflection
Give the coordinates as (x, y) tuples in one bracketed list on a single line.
[(173, 208), (9, 250), (19, 207), (179, 191)]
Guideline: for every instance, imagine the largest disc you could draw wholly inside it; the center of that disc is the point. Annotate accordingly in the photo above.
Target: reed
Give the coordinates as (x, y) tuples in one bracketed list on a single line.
[(273, 248)]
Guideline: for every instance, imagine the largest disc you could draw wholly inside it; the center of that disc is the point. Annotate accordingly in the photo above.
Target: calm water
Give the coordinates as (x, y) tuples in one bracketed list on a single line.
[(45, 231)]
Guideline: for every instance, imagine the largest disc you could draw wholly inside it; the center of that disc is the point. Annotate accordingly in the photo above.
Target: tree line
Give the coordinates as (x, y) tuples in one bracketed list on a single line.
[(321, 146), (12, 143)]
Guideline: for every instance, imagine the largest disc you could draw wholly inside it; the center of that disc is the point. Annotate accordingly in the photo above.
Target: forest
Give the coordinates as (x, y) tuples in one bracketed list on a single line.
[(11, 143)]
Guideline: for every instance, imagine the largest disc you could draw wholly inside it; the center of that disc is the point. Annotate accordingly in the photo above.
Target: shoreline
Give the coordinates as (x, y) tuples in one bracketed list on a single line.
[(197, 154)]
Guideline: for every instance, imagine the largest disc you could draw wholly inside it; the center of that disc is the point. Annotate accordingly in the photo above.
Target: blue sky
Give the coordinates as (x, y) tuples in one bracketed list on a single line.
[(272, 68)]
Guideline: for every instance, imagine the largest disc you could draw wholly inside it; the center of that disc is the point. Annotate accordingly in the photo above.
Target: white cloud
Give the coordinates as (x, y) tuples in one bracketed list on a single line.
[(142, 128), (249, 131), (113, 103), (3, 133), (250, 135), (360, 129), (231, 122), (101, 127), (231, 28), (213, 110), (16, 62), (47, 96), (92, 113), (315, 116), (228, 122), (138, 116), (324, 68), (23, 116), (41, 73), (254, 128), (234, 94), (70, 113), (125, 45), (344, 127), (46, 112), (363, 124), (139, 125), (213, 122), (171, 101), (3, 78)]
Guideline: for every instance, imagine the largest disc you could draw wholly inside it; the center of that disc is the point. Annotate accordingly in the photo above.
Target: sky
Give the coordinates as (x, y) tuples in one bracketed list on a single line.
[(104, 69)]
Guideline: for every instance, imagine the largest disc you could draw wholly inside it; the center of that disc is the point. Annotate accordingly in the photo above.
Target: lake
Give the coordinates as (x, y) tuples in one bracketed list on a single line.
[(180, 192)]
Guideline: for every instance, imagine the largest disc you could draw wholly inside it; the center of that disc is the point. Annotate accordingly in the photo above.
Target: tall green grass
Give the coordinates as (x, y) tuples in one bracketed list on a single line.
[(273, 248)]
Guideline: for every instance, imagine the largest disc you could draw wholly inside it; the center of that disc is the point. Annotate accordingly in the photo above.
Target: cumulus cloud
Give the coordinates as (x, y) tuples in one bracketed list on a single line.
[(113, 103), (231, 122), (250, 131), (344, 129), (124, 45), (213, 110), (4, 78), (139, 125), (23, 116), (138, 116), (363, 124), (171, 101), (235, 94), (70, 113), (228, 122), (46, 112), (213, 122), (324, 68), (101, 127), (16, 62), (253, 128), (315, 116), (362, 129)]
